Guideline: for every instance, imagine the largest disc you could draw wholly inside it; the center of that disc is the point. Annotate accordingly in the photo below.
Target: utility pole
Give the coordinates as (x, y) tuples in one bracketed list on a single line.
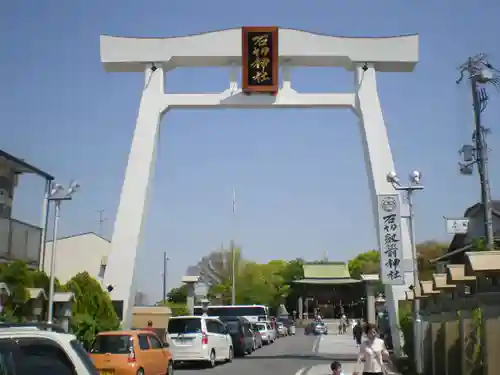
[(233, 254), (480, 72), (165, 268), (101, 221)]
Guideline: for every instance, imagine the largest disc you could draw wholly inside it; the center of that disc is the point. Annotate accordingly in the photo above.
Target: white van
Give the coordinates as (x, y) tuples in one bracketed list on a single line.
[(199, 339), (267, 333)]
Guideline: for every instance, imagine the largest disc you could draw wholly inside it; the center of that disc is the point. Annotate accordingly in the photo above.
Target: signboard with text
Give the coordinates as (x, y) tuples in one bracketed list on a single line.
[(457, 225), (259, 59), (390, 244)]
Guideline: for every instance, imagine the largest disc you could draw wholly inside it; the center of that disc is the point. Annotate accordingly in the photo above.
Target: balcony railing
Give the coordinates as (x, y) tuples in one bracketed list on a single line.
[(19, 241)]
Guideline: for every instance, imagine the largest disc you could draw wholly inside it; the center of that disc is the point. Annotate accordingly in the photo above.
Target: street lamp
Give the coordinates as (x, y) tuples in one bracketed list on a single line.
[(412, 186), (57, 195)]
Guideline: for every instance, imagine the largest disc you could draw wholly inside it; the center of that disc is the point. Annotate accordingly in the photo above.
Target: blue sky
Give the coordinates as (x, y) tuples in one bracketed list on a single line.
[(299, 174)]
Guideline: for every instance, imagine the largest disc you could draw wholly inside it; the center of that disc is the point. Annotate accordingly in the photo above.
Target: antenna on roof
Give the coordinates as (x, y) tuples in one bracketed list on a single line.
[(101, 221)]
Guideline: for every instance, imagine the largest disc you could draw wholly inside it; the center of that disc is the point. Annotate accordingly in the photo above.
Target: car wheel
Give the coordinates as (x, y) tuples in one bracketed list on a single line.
[(231, 355), (211, 361), (170, 368)]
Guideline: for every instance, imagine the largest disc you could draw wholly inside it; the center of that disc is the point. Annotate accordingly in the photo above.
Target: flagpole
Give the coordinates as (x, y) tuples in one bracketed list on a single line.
[(233, 254)]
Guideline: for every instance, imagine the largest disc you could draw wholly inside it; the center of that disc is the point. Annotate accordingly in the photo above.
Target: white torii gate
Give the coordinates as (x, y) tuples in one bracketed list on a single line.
[(154, 56)]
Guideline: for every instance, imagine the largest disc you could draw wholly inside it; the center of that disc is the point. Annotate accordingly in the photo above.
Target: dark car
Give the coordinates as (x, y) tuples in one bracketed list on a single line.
[(241, 332)]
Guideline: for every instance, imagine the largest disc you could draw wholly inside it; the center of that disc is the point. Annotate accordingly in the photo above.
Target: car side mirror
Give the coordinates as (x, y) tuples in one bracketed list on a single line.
[(166, 345)]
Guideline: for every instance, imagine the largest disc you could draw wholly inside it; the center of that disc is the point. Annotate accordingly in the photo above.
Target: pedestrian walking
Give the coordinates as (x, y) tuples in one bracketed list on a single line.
[(336, 368), (372, 353), (357, 333)]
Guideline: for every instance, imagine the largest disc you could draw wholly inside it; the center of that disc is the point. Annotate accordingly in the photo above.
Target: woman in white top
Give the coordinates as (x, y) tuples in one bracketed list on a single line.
[(372, 353)]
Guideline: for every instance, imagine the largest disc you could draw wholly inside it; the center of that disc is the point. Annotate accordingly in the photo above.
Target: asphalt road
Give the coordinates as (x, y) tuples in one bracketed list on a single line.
[(293, 355)]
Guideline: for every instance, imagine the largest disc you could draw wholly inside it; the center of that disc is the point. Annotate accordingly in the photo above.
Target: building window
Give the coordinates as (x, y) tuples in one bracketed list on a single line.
[(102, 269)]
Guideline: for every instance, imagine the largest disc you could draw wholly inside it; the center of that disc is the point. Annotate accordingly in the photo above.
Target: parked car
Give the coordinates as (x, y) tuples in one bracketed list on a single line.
[(316, 328), (41, 348), (266, 332), (320, 328), (288, 323), (130, 353), (257, 338), (241, 332), (282, 330), (199, 339)]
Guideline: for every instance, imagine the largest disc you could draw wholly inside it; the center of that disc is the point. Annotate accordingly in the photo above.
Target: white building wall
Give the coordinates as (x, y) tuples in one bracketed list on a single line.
[(85, 252)]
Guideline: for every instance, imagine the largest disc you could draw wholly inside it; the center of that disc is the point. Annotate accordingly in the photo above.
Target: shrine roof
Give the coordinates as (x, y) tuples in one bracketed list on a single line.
[(328, 281), (326, 270)]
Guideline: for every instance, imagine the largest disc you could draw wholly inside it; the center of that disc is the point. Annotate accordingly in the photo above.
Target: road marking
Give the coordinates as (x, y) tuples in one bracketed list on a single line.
[(316, 344), (302, 370)]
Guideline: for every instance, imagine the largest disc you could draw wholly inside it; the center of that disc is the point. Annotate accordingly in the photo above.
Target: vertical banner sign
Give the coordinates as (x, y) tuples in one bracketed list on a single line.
[(259, 59), (391, 249)]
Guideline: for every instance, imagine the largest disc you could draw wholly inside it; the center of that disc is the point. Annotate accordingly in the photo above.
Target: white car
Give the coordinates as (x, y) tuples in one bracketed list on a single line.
[(199, 339), (267, 333), (33, 350), (282, 330)]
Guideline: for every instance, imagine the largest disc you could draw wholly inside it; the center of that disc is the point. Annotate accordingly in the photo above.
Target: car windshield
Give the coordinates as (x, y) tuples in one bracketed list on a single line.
[(320, 324), (261, 327), (113, 344), (184, 325)]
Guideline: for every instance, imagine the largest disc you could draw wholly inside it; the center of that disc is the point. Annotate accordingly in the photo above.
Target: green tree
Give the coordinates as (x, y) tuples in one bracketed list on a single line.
[(364, 263), (93, 311), (427, 251), (177, 308), (294, 270), (177, 295), (16, 276)]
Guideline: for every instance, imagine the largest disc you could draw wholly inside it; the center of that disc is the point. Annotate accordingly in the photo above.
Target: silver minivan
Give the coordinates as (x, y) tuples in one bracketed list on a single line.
[(267, 333), (199, 339)]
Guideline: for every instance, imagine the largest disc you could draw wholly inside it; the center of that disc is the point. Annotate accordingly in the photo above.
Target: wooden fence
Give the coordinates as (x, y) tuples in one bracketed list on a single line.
[(461, 317)]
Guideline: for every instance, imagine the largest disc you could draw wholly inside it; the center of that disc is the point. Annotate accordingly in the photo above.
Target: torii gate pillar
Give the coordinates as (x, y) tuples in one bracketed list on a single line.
[(154, 56)]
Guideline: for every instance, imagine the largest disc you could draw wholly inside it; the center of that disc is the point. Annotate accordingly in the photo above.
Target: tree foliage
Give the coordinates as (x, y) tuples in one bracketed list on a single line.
[(272, 283), (92, 310), (364, 263), (369, 262), (256, 283), (177, 295)]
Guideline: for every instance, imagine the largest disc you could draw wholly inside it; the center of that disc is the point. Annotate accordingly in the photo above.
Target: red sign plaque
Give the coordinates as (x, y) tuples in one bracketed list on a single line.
[(260, 59)]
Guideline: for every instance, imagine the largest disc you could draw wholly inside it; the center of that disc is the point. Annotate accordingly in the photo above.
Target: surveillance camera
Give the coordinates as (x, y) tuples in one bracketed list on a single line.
[(411, 287), (365, 67), (110, 288), (153, 68)]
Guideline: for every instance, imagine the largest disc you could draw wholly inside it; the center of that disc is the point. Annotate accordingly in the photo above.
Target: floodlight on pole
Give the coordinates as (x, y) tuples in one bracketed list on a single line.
[(57, 195), (414, 184)]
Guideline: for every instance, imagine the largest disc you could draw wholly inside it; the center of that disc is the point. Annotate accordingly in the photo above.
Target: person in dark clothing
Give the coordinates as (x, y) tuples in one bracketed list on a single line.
[(357, 332)]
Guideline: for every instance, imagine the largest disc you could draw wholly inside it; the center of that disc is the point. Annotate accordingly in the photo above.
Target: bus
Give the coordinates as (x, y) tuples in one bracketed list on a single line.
[(253, 313)]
